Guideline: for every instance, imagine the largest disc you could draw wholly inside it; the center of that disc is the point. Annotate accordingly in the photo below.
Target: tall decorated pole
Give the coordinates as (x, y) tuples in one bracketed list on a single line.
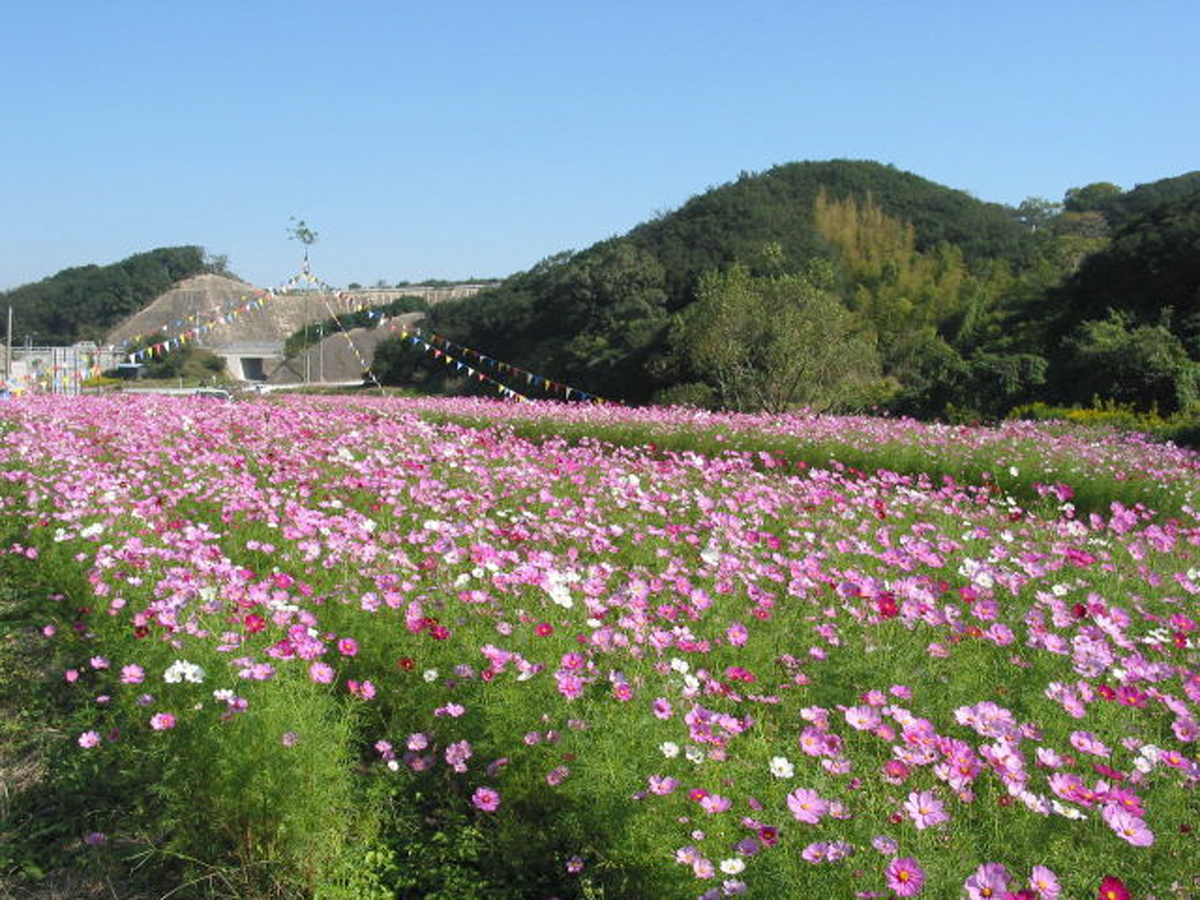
[(299, 231)]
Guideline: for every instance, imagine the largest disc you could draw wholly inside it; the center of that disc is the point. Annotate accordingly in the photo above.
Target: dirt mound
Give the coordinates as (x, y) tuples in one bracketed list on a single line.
[(334, 360), (213, 301)]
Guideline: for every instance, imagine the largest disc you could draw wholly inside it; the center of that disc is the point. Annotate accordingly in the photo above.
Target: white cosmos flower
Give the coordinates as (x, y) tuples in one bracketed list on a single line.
[(732, 866), (669, 749), (181, 670), (781, 767)]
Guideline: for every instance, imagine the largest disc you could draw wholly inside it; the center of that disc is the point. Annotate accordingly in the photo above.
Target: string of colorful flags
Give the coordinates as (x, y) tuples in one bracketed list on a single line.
[(439, 347), (442, 348), (363, 365), (227, 316)]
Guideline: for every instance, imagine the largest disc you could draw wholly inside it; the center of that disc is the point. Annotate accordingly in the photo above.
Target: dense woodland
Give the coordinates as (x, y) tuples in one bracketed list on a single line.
[(853, 285), (834, 285), (84, 303)]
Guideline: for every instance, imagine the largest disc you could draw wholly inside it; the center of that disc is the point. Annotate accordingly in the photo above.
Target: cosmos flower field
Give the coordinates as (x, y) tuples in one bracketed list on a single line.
[(350, 647)]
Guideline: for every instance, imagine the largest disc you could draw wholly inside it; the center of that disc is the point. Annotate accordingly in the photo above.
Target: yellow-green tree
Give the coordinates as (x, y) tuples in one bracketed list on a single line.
[(895, 286), (779, 342)]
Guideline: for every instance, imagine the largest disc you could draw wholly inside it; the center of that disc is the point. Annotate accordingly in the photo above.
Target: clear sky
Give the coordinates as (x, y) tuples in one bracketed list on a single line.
[(451, 139)]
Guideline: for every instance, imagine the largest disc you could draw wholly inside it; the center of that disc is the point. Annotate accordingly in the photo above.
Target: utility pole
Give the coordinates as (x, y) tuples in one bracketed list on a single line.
[(8, 350)]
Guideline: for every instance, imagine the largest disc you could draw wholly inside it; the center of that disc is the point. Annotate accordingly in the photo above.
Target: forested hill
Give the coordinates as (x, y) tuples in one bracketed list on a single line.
[(929, 301), (85, 302), (734, 221)]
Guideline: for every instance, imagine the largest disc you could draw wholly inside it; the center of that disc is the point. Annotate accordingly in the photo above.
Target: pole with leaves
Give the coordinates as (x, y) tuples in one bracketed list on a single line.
[(298, 230)]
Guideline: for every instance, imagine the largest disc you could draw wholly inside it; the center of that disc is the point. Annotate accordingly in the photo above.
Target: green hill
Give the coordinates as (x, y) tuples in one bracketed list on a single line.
[(85, 302), (601, 318), (954, 306)]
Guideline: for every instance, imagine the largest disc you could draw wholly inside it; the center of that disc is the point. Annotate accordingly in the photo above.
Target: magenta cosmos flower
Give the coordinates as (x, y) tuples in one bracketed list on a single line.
[(486, 799), (905, 877), (1113, 888)]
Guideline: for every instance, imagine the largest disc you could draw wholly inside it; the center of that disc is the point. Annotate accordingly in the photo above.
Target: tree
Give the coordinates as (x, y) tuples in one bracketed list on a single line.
[(778, 342), (84, 302), (1146, 366), (1098, 196), (299, 231), (1035, 213)]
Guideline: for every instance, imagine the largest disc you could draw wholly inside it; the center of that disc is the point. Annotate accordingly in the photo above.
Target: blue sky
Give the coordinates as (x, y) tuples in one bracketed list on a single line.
[(455, 139)]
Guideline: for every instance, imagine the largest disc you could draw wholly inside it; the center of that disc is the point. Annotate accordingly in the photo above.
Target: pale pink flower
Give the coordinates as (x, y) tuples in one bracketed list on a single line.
[(815, 852), (1127, 826), (989, 881), (806, 805), (925, 809), (321, 673), (163, 721), (1086, 742), (1044, 883)]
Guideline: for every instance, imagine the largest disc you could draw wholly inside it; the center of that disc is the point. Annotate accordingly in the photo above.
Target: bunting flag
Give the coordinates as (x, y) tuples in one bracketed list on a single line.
[(439, 347), (363, 364), (198, 324), (460, 356)]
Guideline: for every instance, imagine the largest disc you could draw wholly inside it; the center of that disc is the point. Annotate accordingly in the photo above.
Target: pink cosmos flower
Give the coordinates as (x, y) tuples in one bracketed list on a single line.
[(1086, 742), (863, 718), (884, 845), (661, 708), (132, 674), (662, 785), (1044, 883), (815, 852), (348, 647), (89, 739), (1127, 826), (925, 809), (457, 755), (806, 805), (895, 771), (486, 799), (321, 673), (163, 721), (988, 881), (905, 877)]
